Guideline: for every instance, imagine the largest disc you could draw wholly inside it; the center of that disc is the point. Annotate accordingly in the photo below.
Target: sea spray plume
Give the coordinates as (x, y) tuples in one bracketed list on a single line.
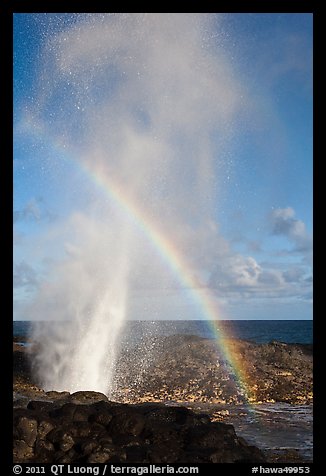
[(79, 351), (145, 103)]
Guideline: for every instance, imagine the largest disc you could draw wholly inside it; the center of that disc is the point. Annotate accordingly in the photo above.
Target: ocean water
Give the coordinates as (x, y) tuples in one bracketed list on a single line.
[(279, 427), (300, 332)]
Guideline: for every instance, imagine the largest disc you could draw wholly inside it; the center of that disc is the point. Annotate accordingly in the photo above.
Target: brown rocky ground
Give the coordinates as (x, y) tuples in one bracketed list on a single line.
[(189, 368), (193, 369)]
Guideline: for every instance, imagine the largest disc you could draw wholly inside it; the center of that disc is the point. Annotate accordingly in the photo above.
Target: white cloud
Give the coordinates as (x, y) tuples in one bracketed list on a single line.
[(235, 276), (284, 223), (236, 273)]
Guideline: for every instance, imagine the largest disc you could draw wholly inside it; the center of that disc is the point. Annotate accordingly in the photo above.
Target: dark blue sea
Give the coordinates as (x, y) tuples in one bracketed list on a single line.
[(300, 332)]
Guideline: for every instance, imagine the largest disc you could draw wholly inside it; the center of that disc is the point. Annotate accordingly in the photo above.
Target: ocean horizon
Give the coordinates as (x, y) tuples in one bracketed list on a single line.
[(259, 331)]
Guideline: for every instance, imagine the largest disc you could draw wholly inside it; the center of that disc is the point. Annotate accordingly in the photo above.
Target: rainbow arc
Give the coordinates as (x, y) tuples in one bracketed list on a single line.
[(170, 256)]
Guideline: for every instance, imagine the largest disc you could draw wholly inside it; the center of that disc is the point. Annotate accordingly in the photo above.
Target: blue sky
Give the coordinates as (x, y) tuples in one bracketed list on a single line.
[(260, 263)]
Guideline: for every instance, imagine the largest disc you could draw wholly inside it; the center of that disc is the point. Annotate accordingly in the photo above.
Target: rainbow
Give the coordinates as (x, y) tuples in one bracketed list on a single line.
[(168, 253), (172, 258)]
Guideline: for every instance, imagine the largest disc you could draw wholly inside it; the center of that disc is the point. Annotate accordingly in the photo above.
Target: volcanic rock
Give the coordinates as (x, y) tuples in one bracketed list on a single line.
[(194, 369), (191, 369), (147, 433)]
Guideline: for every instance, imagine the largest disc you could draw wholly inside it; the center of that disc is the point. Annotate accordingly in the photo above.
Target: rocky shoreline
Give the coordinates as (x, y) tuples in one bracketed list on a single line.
[(146, 420), (194, 369), (88, 428)]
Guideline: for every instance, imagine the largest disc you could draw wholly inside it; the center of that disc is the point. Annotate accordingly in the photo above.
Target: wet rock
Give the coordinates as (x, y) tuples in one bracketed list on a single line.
[(22, 452), (178, 415), (161, 455), (285, 456), (44, 450), (65, 412), (80, 429), (152, 433), (87, 397), (166, 445), (103, 454), (63, 457), (136, 454), (45, 445), (226, 456), (215, 435), (44, 427), (61, 439), (21, 402), (67, 442), (88, 447), (103, 419), (126, 440), (128, 423), (40, 406), (53, 395), (102, 413), (27, 429), (106, 440), (97, 430), (82, 413)]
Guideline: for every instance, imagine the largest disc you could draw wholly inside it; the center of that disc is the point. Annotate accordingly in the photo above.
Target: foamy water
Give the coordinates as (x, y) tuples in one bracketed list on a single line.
[(271, 426)]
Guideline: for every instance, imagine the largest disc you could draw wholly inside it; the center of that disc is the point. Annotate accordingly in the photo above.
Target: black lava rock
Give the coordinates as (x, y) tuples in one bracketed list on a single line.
[(104, 432)]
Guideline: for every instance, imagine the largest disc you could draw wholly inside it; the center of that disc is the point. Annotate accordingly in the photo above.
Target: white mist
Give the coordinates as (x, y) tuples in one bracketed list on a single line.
[(146, 101)]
